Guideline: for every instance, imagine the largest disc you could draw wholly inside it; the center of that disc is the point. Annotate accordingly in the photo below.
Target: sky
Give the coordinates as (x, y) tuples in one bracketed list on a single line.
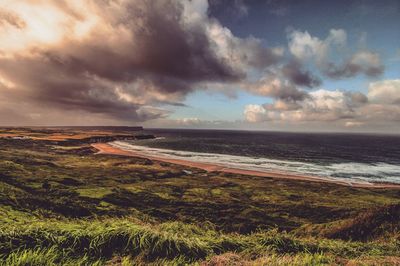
[(287, 65)]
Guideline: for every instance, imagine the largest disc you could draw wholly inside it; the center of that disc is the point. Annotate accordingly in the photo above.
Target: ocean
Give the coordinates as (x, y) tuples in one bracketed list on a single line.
[(351, 157)]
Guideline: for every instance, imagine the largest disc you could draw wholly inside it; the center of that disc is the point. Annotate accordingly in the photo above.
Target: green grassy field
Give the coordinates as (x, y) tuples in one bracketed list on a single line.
[(61, 204)]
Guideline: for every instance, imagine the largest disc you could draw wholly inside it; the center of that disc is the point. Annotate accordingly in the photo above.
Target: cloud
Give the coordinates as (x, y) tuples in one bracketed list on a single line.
[(381, 104), (273, 86), (353, 124), (294, 72), (320, 105), (358, 98), (306, 48), (385, 92), (242, 53), (188, 121), (10, 19), (127, 61), (120, 59), (365, 62), (283, 83), (194, 122), (255, 113)]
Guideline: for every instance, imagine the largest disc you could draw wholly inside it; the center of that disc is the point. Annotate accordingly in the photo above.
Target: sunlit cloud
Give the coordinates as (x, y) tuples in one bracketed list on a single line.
[(133, 61)]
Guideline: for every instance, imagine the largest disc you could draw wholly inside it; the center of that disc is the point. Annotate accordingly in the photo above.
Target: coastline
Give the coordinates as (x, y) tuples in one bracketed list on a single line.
[(105, 148)]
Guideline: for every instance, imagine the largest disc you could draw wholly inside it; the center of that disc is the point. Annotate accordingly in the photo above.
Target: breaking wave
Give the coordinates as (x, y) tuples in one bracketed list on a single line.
[(348, 171)]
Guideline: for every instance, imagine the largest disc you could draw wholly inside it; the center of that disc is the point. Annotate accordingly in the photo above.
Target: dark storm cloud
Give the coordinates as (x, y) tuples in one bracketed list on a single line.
[(160, 47), (140, 53), (290, 93), (294, 72), (64, 88)]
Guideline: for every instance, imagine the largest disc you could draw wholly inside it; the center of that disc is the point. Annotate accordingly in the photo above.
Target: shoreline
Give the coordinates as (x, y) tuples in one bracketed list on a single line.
[(105, 148)]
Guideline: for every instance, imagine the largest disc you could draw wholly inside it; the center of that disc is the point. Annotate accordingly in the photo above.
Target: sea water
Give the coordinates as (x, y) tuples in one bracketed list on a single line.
[(349, 157)]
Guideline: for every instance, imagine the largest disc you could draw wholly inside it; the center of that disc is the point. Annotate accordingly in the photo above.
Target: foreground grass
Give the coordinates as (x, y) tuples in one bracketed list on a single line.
[(60, 204), (98, 241)]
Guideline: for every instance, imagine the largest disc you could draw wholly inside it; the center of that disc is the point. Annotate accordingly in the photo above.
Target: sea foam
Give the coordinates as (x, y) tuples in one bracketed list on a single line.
[(378, 172)]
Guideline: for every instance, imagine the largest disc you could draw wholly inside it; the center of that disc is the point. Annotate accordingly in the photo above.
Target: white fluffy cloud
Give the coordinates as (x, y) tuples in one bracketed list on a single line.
[(354, 109), (306, 47), (320, 105), (309, 48), (385, 92), (188, 121), (255, 113)]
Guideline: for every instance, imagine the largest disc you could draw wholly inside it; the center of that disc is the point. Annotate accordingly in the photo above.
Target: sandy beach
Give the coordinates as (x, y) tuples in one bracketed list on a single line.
[(104, 148)]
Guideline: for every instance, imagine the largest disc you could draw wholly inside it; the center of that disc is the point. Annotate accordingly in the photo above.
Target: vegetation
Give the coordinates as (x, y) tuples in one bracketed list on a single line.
[(62, 204)]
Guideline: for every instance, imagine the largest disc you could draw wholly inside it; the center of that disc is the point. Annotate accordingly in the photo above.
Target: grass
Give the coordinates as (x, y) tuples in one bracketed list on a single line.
[(375, 223), (90, 240), (60, 204)]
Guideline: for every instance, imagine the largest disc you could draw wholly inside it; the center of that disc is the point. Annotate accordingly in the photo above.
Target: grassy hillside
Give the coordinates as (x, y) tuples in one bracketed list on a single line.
[(62, 204)]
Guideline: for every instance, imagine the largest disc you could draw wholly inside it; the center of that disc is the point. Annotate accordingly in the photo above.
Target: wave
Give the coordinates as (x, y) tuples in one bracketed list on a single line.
[(378, 172)]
